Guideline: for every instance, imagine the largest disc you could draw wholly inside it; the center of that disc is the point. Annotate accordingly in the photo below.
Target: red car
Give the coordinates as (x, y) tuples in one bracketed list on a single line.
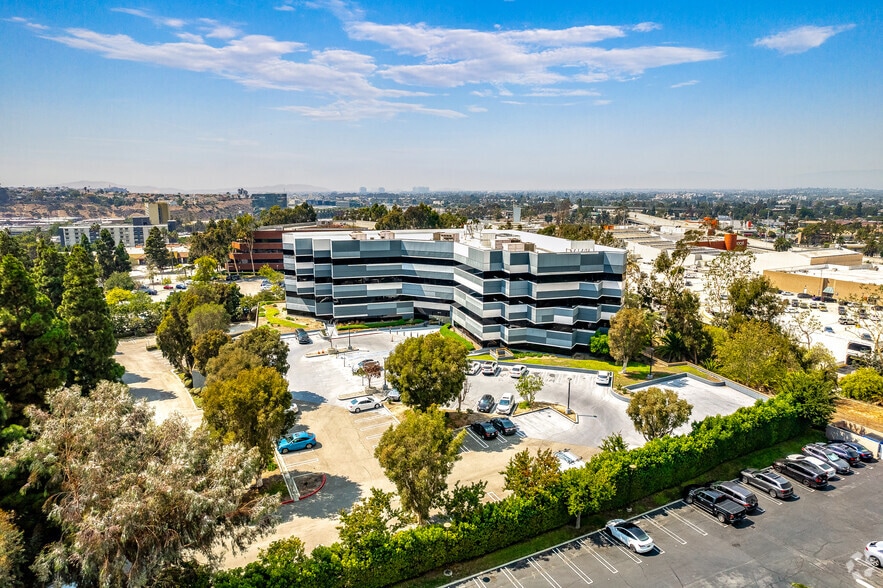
[(168, 287)]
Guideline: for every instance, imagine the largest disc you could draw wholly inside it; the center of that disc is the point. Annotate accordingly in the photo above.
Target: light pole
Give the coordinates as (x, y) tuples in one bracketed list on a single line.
[(632, 468), (568, 395), (257, 315)]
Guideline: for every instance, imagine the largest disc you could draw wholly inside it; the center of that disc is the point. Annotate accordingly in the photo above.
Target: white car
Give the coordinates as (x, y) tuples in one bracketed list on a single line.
[(473, 368), (604, 378), (825, 466), (630, 535), (568, 460), (489, 368), (516, 371), (874, 553), (363, 403), (506, 403)]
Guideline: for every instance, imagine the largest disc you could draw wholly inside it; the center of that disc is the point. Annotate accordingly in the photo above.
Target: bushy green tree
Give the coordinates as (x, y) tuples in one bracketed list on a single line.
[(206, 269), (230, 360), (35, 347), (656, 412), (370, 524), (757, 354), (105, 254), (155, 250), (628, 335), (427, 370), (207, 317), (122, 261), (528, 386), (266, 343), (11, 549), (250, 409), (863, 384), (131, 497), (49, 271), (207, 346), (417, 455), (9, 245), (812, 394), (528, 476), (85, 310), (599, 345), (755, 298), (119, 280)]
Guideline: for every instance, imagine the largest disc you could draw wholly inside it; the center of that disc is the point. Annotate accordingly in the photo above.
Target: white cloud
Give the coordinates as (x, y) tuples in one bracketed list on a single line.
[(646, 27), (353, 110), (23, 21), (216, 30), (162, 21), (800, 39), (602, 102), (482, 93), (685, 84), (284, 8), (554, 92), (476, 108)]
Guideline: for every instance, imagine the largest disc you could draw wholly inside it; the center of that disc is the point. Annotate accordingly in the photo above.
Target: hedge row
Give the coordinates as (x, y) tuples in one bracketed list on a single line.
[(660, 464)]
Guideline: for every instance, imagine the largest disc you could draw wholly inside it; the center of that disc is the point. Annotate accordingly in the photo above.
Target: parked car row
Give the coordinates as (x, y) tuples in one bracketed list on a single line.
[(506, 405)]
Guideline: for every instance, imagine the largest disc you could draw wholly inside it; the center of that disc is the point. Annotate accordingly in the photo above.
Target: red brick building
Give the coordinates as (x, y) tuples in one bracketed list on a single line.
[(265, 250)]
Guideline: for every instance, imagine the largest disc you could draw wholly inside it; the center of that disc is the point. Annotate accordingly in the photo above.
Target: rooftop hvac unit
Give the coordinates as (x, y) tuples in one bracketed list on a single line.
[(358, 236), (387, 235)]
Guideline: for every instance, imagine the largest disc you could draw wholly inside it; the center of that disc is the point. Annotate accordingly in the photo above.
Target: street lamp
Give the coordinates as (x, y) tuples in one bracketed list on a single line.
[(632, 468), (652, 353), (257, 315), (568, 395)]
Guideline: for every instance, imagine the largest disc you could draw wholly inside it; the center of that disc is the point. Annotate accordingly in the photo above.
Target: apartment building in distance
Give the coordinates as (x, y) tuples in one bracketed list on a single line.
[(506, 288), (261, 202), (158, 212)]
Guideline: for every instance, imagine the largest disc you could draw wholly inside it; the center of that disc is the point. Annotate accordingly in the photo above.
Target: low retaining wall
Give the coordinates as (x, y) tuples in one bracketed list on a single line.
[(848, 431)]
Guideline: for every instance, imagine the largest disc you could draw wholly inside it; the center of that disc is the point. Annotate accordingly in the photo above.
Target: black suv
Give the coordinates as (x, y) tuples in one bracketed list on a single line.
[(805, 472), (302, 337), (737, 493)]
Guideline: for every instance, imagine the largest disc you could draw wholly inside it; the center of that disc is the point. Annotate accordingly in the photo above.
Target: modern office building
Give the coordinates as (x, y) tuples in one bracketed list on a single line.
[(158, 212), (502, 287), (129, 235), (261, 202)]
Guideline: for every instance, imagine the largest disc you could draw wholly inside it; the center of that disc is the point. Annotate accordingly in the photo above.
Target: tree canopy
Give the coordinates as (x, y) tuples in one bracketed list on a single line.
[(133, 498), (417, 455), (629, 333), (427, 370), (155, 250), (527, 476), (657, 412)]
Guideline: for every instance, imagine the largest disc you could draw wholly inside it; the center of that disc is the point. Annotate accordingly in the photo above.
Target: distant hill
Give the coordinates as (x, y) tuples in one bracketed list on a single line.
[(277, 188)]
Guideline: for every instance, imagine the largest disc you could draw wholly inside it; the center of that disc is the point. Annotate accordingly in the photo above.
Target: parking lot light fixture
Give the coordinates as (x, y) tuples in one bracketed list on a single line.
[(632, 468), (568, 395)]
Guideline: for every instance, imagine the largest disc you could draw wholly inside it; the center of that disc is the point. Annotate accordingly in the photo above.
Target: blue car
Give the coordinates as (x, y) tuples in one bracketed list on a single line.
[(180, 287), (302, 440)]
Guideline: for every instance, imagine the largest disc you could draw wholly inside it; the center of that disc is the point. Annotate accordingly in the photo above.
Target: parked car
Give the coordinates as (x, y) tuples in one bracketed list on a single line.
[(630, 535), (485, 403), (302, 336), (828, 329), (516, 371), (393, 395), (804, 472), (489, 368), (484, 429), (168, 287), (874, 553), (295, 442), (867, 336), (716, 504), (864, 453), (180, 286), (568, 460), (821, 451), (506, 403), (768, 481), (737, 493), (844, 452), (504, 425), (604, 378), (823, 465), (473, 368), (363, 403)]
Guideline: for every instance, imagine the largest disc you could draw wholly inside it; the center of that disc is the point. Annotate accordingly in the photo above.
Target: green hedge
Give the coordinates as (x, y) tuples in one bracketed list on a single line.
[(660, 464)]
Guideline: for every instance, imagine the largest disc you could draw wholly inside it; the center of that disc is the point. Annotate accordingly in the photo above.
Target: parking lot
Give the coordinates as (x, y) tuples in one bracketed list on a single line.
[(816, 539)]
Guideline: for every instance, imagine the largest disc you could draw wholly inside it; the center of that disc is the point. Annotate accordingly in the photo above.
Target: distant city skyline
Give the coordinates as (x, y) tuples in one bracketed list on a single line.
[(497, 95)]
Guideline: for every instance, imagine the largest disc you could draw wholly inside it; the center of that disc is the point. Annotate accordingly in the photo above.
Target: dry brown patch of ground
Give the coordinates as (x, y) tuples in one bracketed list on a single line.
[(860, 413)]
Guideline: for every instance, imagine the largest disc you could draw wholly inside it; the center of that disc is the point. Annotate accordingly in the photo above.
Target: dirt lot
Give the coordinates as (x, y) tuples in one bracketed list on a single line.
[(860, 413)]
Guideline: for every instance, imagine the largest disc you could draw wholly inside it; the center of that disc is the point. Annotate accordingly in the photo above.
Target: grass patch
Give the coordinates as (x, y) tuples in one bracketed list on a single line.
[(272, 314), (380, 324), (447, 332), (726, 471)]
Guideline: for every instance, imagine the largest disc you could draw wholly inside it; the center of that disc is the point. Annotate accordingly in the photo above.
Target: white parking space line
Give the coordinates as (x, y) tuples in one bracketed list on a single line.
[(300, 463), (769, 498), (477, 439), (493, 496), (576, 570), (374, 417), (375, 426), (598, 556), (510, 576), (613, 543), (375, 436), (543, 573), (671, 534), (685, 521), (502, 440), (521, 433)]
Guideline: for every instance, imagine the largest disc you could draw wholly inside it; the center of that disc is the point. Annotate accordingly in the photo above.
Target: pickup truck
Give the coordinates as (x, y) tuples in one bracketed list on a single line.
[(716, 504)]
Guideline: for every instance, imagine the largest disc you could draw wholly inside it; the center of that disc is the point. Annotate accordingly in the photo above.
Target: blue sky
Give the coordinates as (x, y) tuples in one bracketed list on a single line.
[(487, 94)]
